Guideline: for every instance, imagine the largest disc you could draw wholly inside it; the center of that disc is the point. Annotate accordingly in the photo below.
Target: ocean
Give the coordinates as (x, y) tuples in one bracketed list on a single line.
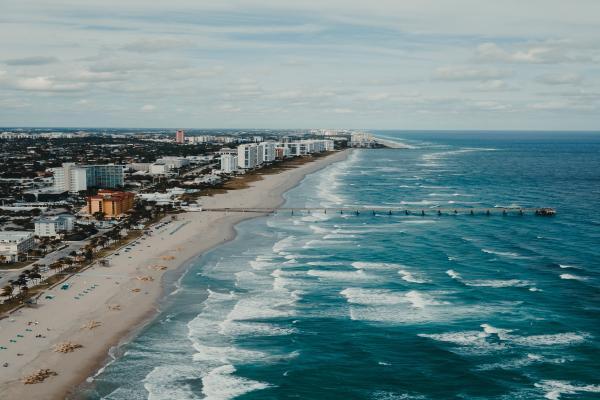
[(385, 307)]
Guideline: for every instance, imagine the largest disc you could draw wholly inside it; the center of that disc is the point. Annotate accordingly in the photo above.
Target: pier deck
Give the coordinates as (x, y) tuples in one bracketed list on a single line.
[(391, 211)]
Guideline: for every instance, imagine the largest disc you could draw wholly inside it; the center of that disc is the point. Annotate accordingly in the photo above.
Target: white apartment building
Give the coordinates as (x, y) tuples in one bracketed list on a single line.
[(266, 152), (247, 156), (53, 226), (174, 162), (143, 167), (362, 139), (159, 168), (73, 178), (201, 139), (304, 147), (12, 243), (229, 163), (70, 177)]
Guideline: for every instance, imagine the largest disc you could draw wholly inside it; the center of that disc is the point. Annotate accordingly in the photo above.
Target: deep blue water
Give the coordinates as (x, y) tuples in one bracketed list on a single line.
[(395, 307)]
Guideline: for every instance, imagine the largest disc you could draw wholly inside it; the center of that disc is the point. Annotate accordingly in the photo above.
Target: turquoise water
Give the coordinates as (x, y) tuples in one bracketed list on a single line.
[(395, 307)]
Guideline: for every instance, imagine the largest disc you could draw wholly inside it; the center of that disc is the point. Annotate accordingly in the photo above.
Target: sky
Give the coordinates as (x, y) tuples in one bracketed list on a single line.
[(377, 64)]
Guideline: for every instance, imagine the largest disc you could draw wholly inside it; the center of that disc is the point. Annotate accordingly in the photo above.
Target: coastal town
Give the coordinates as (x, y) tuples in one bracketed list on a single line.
[(79, 209), (67, 196)]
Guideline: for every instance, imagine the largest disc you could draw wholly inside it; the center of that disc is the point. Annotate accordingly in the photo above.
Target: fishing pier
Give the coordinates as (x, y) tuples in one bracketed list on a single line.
[(542, 212)]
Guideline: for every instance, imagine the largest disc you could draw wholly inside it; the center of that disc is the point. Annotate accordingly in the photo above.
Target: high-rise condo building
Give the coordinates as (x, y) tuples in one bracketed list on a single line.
[(247, 156), (180, 136), (229, 163), (70, 177), (75, 178), (266, 152), (104, 176)]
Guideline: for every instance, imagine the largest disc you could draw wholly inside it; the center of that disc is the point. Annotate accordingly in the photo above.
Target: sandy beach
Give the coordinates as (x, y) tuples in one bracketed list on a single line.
[(103, 305)]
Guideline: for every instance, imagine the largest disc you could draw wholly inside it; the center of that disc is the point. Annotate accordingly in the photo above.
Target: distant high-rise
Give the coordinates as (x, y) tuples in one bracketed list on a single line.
[(180, 136)]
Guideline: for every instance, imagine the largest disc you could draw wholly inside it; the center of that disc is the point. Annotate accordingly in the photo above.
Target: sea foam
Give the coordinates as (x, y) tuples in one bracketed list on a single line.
[(555, 389), (221, 384)]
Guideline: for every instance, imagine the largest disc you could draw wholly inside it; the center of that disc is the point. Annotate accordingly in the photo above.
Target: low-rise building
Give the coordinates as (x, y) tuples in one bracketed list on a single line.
[(13, 243), (143, 167), (53, 226), (174, 162), (112, 203), (159, 168)]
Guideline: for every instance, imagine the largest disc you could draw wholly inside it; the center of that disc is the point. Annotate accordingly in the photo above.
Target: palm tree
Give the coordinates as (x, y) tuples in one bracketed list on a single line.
[(57, 265), (35, 276), (7, 291), (68, 262)]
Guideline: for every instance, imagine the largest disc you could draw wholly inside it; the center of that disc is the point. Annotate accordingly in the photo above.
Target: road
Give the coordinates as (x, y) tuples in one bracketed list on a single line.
[(6, 275)]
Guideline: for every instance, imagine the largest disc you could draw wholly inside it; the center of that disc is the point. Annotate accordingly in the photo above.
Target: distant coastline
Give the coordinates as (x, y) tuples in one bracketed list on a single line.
[(392, 144)]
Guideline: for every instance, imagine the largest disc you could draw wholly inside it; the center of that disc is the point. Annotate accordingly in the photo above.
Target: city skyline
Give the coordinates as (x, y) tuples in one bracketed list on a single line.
[(262, 64)]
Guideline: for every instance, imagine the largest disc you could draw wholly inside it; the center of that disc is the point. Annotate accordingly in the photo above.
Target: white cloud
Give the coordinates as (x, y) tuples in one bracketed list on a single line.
[(549, 52), (93, 76), (342, 111), (229, 108), (487, 105), (494, 85), (566, 78), (562, 105), (148, 108), (156, 44), (311, 63), (469, 73), (45, 84), (377, 96)]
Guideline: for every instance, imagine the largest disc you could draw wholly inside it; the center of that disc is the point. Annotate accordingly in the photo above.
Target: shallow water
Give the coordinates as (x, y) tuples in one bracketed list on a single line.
[(395, 307)]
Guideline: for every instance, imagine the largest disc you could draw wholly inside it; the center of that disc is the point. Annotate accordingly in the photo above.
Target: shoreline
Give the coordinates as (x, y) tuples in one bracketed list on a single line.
[(110, 295)]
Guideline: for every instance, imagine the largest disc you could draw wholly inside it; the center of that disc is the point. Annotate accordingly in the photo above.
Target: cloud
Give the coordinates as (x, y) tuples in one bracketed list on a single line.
[(469, 74), (156, 45), (486, 105), (93, 76), (34, 60), (494, 85), (44, 84), (562, 105), (377, 96), (550, 52), (148, 108), (342, 111), (333, 63), (229, 108), (560, 79)]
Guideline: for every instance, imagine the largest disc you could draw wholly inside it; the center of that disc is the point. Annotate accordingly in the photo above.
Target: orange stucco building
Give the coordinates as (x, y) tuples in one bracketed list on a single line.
[(111, 203)]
